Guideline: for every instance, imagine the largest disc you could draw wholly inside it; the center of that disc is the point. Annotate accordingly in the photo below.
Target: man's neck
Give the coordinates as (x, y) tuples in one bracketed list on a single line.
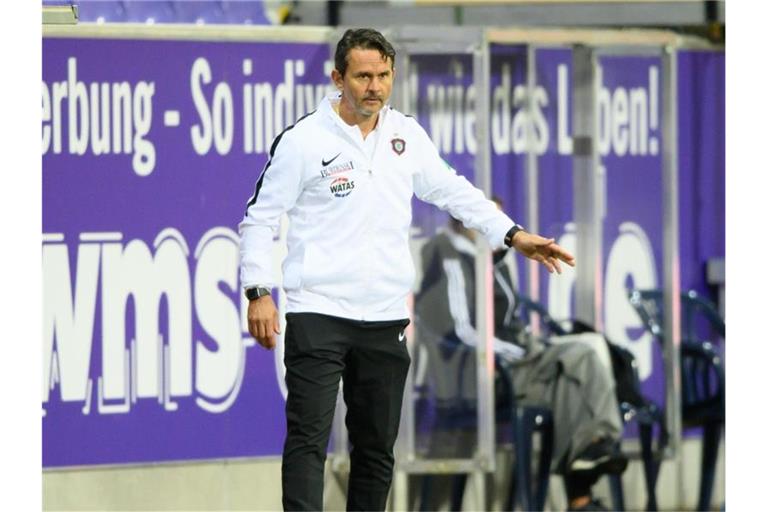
[(366, 124)]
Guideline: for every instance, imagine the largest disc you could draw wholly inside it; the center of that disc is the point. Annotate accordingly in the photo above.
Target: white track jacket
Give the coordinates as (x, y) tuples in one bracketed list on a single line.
[(350, 215)]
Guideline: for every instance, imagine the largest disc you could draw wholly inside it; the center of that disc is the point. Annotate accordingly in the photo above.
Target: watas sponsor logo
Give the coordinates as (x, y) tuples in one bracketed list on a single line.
[(342, 187)]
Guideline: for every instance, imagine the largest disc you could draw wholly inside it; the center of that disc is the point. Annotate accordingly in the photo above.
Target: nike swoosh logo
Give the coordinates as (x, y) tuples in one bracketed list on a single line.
[(327, 163), (401, 336)]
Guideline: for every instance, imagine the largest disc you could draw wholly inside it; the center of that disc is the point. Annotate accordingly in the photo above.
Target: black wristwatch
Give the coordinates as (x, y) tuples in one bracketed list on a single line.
[(256, 292), (511, 234)]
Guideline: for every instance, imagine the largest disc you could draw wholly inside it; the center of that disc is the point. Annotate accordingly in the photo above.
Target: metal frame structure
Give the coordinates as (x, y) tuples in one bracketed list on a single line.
[(671, 250), (532, 181), (587, 192), (589, 188), (589, 205)]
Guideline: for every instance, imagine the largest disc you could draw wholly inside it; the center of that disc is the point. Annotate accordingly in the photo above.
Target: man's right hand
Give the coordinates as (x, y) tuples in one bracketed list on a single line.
[(263, 321)]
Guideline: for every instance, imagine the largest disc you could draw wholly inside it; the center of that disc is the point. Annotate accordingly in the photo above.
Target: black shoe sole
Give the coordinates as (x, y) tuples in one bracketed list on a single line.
[(612, 466)]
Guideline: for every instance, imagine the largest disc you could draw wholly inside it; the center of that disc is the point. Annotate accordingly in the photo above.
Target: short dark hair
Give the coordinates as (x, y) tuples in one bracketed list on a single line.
[(366, 39)]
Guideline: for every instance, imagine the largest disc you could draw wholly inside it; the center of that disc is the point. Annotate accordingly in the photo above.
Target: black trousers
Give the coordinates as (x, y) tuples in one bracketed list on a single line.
[(373, 360)]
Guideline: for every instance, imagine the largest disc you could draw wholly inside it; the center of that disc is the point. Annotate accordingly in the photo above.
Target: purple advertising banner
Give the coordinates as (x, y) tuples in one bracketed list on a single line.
[(629, 109), (630, 142), (701, 161), (555, 172), (509, 144), (151, 149), (445, 107)]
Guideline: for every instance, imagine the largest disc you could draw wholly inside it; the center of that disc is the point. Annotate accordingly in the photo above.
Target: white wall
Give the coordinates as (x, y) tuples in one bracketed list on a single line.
[(255, 485)]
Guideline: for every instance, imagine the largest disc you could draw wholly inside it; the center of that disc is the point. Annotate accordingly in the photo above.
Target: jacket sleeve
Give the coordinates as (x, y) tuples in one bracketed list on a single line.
[(276, 192), (437, 183)]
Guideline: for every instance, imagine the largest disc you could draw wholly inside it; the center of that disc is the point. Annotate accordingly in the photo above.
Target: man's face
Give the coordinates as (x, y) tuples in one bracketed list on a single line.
[(367, 83)]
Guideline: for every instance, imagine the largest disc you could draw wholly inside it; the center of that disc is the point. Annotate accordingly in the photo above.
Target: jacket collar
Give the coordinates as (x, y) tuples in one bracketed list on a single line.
[(326, 108)]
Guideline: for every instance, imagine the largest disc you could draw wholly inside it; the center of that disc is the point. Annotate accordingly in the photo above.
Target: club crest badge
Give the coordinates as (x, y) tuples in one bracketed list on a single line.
[(398, 146)]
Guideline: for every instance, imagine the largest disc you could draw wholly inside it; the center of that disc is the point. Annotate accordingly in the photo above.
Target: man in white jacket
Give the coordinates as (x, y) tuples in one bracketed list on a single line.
[(345, 174)]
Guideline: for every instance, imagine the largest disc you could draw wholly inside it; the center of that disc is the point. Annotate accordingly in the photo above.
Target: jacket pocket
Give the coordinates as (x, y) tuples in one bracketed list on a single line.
[(334, 273), (292, 275), (314, 266)]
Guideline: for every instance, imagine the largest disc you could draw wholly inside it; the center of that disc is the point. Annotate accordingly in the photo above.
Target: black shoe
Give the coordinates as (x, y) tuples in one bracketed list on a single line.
[(592, 505), (600, 458)]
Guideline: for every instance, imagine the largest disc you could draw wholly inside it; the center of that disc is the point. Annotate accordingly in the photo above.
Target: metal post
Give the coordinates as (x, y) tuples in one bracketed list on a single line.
[(399, 494), (405, 447), (478, 483), (587, 192), (340, 454), (532, 181), (483, 270), (671, 249), (404, 99)]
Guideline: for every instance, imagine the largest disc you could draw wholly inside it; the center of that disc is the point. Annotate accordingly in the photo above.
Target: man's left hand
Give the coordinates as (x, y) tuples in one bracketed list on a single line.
[(543, 250)]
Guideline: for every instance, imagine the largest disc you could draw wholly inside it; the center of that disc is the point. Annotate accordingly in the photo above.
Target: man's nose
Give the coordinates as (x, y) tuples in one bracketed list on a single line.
[(374, 85)]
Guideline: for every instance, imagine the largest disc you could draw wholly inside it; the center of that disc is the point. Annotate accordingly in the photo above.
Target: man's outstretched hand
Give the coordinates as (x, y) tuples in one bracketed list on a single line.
[(543, 250), (263, 321)]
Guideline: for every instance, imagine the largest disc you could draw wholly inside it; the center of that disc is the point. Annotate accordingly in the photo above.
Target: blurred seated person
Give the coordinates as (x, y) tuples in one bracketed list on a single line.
[(571, 378)]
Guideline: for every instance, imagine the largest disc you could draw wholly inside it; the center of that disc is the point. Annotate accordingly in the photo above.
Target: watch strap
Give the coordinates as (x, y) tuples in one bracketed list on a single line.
[(511, 234), (256, 292)]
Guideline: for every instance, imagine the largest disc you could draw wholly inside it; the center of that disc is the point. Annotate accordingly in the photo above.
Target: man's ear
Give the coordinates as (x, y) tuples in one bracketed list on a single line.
[(338, 80)]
